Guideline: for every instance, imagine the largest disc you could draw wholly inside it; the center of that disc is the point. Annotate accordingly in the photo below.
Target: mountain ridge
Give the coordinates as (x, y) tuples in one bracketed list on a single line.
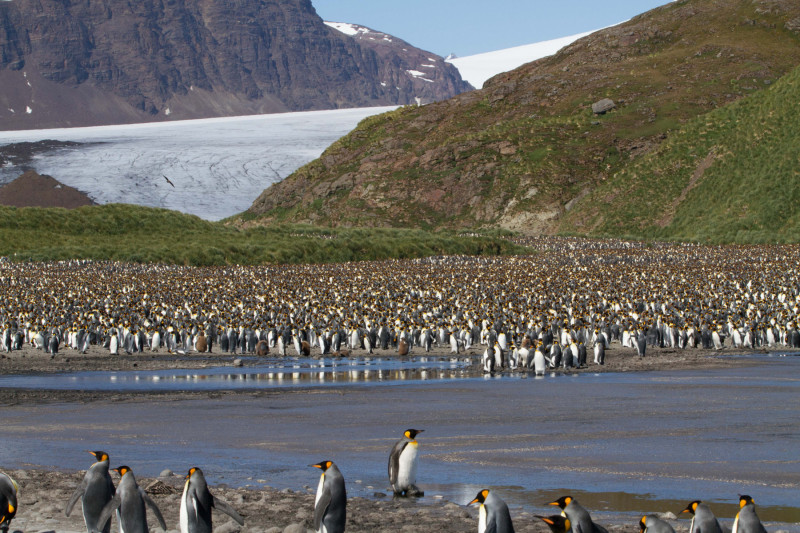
[(68, 64)]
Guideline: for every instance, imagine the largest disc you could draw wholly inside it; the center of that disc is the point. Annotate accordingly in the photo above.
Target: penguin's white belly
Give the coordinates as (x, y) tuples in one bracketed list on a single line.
[(538, 361), (319, 490), (407, 467), (184, 517), (482, 520)]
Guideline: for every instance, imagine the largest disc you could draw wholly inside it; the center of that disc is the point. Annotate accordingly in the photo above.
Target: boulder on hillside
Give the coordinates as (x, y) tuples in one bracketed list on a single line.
[(603, 106)]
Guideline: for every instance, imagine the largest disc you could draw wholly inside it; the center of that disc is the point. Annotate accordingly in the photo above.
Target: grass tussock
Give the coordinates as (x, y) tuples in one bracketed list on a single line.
[(146, 235)]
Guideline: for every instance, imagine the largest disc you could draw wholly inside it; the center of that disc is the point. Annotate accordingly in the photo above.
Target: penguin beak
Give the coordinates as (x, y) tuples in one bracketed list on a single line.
[(473, 501)]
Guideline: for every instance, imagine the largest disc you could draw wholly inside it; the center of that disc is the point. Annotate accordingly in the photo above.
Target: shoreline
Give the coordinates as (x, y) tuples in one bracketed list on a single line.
[(32, 362), (43, 495)]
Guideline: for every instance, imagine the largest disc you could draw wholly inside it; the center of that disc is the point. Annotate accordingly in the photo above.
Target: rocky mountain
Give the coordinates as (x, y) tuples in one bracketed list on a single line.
[(77, 63), (407, 68), (524, 150)]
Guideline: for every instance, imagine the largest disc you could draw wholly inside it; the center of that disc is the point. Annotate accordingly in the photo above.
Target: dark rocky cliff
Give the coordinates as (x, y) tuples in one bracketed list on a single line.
[(81, 62)]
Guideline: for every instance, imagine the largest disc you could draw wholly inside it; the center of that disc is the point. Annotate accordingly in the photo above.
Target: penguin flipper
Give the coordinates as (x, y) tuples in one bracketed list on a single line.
[(491, 527), (105, 515), (153, 507), (598, 528), (321, 508), (394, 461), (74, 498), (228, 510)]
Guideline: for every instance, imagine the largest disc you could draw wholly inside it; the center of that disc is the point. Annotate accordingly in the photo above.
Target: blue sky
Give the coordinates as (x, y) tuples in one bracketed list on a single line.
[(467, 27)]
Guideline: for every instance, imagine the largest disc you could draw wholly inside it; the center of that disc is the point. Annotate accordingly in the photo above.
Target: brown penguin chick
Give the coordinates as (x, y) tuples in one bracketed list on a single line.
[(262, 348), (402, 347), (201, 343)]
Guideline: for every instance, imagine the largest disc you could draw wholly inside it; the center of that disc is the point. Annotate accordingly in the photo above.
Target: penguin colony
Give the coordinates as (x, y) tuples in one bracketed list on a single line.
[(560, 308), (130, 503)]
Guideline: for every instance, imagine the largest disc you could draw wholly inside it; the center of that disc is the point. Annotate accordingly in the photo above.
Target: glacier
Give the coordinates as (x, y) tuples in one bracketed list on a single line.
[(218, 166)]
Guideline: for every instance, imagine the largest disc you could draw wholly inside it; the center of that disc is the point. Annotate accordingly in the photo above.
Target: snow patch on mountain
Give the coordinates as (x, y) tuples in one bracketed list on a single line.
[(478, 68)]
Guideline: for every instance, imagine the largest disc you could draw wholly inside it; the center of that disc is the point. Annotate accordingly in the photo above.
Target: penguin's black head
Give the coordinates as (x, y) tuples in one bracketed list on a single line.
[(556, 522), (692, 507), (744, 499), (192, 470), (481, 497), (412, 433), (562, 502), (100, 456), (324, 465), (122, 470), (642, 525)]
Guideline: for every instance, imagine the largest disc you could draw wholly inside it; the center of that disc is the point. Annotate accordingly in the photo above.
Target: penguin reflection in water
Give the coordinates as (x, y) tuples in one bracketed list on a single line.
[(494, 516), (95, 491), (129, 502), (330, 504), (197, 502), (403, 462)]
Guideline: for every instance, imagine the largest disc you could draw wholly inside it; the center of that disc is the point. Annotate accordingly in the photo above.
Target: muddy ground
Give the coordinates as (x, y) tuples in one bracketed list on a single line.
[(43, 497)]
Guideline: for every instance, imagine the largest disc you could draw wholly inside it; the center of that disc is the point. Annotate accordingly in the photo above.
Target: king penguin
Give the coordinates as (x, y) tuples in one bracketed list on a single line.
[(330, 504), (703, 520), (8, 501), (746, 519), (653, 524), (578, 516), (197, 502), (95, 491), (494, 516), (403, 462), (556, 523), (130, 499)]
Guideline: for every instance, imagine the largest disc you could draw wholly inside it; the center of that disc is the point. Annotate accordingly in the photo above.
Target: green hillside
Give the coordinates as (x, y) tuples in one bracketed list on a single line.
[(141, 234), (732, 175), (521, 153)]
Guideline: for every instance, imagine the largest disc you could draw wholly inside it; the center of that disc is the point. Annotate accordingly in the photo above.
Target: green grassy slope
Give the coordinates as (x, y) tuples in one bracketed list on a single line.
[(519, 153), (141, 234), (732, 175)]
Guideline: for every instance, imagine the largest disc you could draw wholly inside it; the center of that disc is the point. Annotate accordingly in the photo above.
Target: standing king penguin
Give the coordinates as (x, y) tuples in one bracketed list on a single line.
[(95, 491), (579, 517), (403, 464), (8, 501), (330, 504), (746, 519), (703, 520), (494, 516), (197, 502), (130, 499)]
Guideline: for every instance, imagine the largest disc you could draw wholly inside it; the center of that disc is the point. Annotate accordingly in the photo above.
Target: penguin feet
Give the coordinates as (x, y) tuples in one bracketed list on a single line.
[(414, 492), (411, 492)]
